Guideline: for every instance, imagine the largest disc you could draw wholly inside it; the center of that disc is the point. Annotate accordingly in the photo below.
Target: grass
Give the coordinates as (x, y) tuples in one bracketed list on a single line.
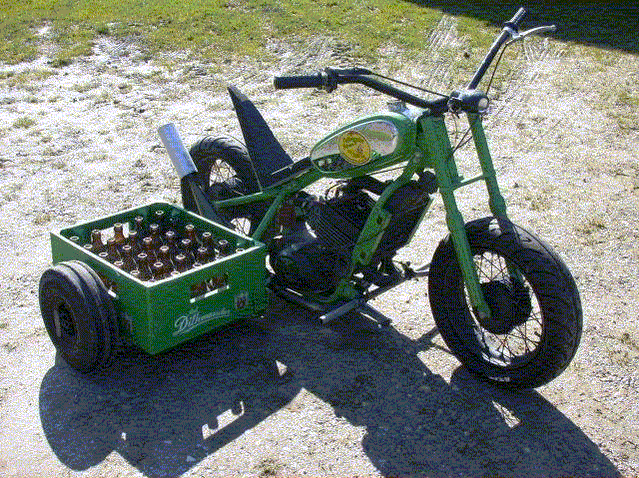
[(84, 87), (42, 218), (269, 467), (13, 79), (23, 122), (214, 28), (219, 30), (625, 109)]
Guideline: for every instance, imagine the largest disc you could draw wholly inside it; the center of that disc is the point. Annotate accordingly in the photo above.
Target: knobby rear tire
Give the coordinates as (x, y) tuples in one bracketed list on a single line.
[(533, 352)]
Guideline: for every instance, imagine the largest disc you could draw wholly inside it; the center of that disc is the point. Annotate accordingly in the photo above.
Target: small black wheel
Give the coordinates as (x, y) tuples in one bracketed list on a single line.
[(79, 315), (536, 321), (225, 170)]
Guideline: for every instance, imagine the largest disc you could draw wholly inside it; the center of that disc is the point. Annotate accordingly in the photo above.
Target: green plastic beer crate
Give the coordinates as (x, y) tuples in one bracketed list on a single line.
[(161, 314)]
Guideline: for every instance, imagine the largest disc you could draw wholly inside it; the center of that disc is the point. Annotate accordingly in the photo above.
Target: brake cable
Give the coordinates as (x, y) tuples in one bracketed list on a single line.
[(399, 82), (501, 54)]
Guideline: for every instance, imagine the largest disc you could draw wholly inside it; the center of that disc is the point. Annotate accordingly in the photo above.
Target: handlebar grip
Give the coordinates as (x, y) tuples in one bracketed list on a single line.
[(518, 16), (303, 81)]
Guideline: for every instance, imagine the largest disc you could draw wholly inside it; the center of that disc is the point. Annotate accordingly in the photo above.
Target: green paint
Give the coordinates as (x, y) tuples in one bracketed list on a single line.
[(159, 315), (436, 145)]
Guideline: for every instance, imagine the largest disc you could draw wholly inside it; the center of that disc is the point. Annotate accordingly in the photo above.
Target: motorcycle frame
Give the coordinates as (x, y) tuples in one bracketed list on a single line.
[(433, 150)]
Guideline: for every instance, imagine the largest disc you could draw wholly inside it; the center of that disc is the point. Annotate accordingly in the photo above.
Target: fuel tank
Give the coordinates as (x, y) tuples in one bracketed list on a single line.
[(364, 145)]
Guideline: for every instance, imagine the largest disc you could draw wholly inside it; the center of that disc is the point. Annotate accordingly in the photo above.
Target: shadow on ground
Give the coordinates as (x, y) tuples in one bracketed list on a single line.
[(610, 25), (167, 413)]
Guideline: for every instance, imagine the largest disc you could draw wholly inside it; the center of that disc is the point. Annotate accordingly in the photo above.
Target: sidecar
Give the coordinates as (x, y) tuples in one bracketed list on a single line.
[(90, 303)]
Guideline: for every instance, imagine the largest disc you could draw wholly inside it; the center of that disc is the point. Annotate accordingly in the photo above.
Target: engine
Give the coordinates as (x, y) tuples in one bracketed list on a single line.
[(314, 253)]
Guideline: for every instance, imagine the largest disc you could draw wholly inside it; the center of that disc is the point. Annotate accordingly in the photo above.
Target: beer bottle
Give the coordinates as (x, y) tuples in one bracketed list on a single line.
[(191, 233), (119, 264), (118, 234), (208, 241), (160, 219), (156, 235), (140, 226), (158, 270), (199, 288), (181, 263), (149, 248), (164, 254), (88, 247), (135, 273), (75, 239), (203, 256), (143, 266), (187, 249), (127, 258), (112, 250), (170, 239), (224, 247), (134, 241), (96, 240), (217, 282)]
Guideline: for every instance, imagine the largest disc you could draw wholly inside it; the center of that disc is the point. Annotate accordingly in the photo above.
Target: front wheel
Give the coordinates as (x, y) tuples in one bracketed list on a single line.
[(536, 320)]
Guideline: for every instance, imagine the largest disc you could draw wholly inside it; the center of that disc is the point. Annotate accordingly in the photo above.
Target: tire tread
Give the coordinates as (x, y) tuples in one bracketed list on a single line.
[(554, 286)]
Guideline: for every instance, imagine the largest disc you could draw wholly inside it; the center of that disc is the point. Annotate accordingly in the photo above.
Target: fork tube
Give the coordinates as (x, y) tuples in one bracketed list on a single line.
[(495, 199), (437, 144)]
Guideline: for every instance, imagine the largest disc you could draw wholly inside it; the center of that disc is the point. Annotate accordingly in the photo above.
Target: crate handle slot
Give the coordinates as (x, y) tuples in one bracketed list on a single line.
[(213, 285)]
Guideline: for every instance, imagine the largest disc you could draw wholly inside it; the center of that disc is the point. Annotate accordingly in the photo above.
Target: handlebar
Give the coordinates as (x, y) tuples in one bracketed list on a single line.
[(304, 81), (331, 77), (510, 29), (517, 18)]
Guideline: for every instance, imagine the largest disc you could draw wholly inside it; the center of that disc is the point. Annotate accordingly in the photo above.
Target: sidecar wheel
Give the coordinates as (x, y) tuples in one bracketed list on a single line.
[(78, 315), (537, 321), (225, 170)]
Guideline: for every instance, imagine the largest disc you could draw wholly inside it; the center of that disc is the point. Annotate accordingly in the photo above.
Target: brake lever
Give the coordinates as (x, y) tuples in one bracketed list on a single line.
[(533, 31)]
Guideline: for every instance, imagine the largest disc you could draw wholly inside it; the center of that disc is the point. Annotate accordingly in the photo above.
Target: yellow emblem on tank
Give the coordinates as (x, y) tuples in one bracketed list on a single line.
[(354, 148)]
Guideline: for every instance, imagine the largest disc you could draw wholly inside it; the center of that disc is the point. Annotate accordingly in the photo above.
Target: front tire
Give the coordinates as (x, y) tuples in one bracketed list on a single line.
[(536, 321)]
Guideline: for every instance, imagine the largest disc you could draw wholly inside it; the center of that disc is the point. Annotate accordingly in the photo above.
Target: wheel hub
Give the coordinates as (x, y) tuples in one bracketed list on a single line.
[(509, 304), (63, 321)]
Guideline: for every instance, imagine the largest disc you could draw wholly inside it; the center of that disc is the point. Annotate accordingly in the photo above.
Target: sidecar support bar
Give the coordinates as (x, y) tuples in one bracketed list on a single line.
[(374, 314), (359, 305)]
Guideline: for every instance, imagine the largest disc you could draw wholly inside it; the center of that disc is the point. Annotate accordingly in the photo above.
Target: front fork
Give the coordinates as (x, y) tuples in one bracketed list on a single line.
[(437, 143)]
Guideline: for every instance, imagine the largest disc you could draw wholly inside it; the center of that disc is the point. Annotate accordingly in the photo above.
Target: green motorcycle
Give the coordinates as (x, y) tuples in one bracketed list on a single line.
[(504, 302)]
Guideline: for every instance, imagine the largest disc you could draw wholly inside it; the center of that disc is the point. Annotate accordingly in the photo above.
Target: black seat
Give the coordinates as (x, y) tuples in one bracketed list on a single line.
[(270, 162)]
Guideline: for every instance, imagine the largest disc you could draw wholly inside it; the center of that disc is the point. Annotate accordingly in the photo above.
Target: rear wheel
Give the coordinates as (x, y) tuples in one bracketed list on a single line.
[(225, 171), (79, 315), (536, 320)]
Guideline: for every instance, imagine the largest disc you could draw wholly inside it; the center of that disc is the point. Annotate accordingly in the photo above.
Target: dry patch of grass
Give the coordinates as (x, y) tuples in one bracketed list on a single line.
[(23, 122)]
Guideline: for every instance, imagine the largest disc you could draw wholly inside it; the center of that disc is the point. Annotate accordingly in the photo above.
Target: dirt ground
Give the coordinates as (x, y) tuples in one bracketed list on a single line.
[(280, 394)]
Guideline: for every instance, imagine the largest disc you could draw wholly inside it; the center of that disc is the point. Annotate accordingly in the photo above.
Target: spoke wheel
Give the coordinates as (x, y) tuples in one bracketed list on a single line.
[(225, 171), (513, 333), (536, 318)]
